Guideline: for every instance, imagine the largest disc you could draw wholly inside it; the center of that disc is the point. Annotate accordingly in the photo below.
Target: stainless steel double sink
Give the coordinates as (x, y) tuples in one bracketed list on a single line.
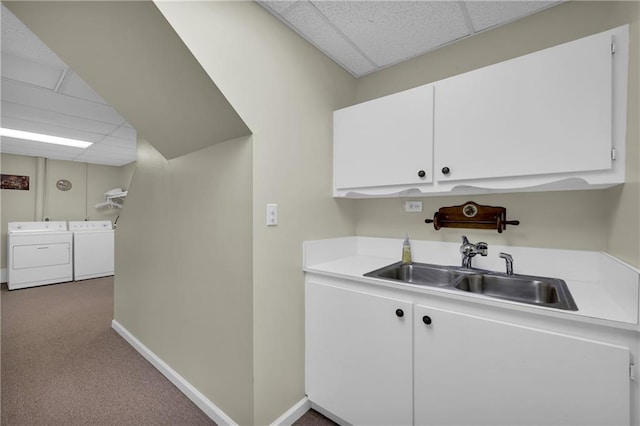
[(541, 291)]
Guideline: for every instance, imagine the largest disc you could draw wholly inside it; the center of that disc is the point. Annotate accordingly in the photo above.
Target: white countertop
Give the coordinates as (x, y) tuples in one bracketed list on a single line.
[(604, 288)]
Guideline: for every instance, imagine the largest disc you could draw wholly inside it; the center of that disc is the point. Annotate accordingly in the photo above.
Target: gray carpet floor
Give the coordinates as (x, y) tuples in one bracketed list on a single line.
[(62, 364)]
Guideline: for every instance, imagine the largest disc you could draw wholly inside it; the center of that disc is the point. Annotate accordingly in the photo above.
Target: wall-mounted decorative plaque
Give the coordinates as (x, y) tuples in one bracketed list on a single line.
[(472, 215), (63, 185), (20, 183)]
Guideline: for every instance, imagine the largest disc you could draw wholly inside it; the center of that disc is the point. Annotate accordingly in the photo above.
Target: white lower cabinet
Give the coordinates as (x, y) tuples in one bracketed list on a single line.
[(474, 370), (358, 355), (391, 358)]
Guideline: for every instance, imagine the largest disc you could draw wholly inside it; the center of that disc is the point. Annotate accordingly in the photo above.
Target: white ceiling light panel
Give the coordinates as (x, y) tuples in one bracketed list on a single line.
[(11, 110), (44, 138), (49, 129), (38, 149)]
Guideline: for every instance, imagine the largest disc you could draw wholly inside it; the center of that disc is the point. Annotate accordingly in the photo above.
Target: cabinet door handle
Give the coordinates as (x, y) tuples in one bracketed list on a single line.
[(426, 319), (445, 170), (422, 173), (399, 313)]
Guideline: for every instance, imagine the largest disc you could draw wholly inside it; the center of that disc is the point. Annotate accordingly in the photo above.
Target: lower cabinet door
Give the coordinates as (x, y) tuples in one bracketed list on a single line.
[(358, 355), (474, 370)]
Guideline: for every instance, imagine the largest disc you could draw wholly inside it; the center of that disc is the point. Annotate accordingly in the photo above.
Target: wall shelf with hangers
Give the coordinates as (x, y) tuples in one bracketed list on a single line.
[(472, 215), (113, 199)]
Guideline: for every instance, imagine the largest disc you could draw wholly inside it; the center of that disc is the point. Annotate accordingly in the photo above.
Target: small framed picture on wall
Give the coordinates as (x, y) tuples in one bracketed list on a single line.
[(20, 183)]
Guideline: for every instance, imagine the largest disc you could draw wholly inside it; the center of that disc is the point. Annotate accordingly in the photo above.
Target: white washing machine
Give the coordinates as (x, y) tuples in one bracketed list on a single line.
[(38, 253), (93, 249)]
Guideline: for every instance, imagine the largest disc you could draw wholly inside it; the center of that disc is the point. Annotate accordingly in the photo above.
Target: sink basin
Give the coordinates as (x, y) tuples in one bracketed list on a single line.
[(541, 291), (549, 292), (417, 273)]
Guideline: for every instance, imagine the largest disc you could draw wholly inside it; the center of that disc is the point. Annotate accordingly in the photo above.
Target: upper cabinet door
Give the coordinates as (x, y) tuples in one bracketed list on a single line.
[(543, 113), (386, 141)]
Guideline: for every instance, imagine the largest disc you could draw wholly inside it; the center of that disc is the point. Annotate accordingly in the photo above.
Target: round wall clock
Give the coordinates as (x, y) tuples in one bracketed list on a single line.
[(63, 185)]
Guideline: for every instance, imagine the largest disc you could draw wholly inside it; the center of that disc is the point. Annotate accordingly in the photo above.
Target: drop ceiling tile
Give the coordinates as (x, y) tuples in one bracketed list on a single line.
[(486, 14), (125, 132), (29, 72), (74, 86), (98, 148), (392, 31), (116, 162), (48, 129), (111, 141), (305, 18), (43, 99), (17, 39), (108, 158), (23, 112)]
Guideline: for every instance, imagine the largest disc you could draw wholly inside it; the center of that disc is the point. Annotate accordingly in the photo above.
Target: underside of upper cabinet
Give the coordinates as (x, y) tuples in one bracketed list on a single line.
[(550, 120)]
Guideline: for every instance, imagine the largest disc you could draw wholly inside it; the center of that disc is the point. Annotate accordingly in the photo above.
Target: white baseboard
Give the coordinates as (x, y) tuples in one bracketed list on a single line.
[(293, 413), (328, 414), (3, 275), (208, 407)]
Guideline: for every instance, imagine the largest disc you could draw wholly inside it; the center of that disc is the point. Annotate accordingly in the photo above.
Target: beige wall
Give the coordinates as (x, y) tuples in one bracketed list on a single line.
[(89, 183), (183, 268), (286, 91), (591, 220)]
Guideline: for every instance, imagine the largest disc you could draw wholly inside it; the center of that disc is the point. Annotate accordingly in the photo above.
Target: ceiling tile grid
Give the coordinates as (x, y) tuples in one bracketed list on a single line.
[(50, 129), (319, 31), (45, 99), (488, 14), (26, 71), (41, 94), (366, 36), (45, 116), (392, 31), (19, 40)]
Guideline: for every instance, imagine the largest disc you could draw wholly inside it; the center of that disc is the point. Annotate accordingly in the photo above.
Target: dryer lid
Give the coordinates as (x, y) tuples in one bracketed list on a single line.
[(55, 226), (90, 225)]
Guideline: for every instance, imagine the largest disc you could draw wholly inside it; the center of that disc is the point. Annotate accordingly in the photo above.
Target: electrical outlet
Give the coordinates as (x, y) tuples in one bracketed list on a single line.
[(413, 206), (272, 214)]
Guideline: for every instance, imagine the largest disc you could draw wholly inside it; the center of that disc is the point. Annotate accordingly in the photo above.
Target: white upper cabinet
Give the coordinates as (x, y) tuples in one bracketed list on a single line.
[(551, 120), (387, 141), (547, 112)]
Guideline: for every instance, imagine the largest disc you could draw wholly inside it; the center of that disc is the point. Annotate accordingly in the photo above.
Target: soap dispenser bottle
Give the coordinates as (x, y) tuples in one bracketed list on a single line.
[(406, 250)]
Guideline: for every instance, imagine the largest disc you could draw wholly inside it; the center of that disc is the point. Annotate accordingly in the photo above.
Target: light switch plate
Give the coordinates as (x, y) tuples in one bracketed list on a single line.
[(272, 214)]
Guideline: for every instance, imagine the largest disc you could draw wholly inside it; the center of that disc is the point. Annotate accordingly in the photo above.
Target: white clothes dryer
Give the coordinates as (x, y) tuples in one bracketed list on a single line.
[(93, 249), (38, 253)]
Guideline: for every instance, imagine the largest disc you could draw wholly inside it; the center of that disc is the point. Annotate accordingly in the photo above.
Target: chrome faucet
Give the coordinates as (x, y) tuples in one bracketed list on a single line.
[(509, 259), (469, 250)]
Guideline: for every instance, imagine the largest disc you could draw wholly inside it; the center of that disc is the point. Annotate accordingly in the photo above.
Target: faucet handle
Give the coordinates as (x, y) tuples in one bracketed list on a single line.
[(509, 259)]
